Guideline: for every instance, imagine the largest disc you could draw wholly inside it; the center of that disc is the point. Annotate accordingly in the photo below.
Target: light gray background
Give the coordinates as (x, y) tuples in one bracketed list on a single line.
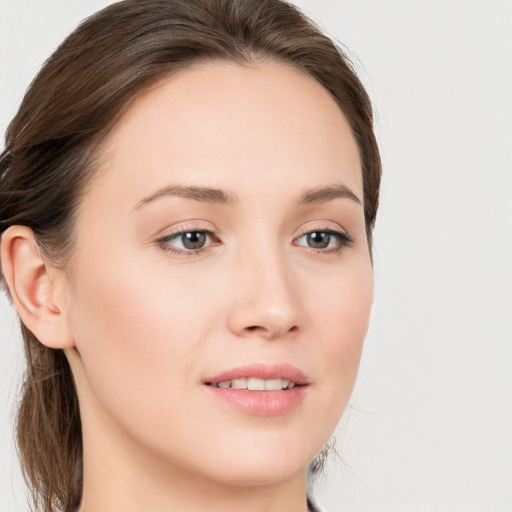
[(430, 427)]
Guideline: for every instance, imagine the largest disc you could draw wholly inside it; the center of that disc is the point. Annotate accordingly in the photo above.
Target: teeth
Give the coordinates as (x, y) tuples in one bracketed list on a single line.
[(255, 384), (239, 383), (273, 384)]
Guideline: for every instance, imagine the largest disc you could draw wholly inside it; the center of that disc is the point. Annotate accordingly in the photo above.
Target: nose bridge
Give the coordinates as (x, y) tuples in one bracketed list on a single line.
[(267, 299)]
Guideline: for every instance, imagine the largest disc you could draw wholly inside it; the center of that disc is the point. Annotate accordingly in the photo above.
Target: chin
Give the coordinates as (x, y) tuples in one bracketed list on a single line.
[(260, 464), (271, 473)]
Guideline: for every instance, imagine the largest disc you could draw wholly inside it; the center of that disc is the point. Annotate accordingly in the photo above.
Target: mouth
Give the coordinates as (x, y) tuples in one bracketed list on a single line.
[(259, 377), (260, 390), (255, 384)]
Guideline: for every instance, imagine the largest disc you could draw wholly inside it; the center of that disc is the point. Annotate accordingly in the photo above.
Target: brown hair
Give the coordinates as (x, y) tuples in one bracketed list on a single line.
[(69, 108)]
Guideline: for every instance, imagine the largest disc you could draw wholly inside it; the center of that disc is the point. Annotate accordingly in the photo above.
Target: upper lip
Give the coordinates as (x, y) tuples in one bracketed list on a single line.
[(261, 371)]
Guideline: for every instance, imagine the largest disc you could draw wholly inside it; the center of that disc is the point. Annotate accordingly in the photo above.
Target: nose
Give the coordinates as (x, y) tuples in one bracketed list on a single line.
[(267, 301)]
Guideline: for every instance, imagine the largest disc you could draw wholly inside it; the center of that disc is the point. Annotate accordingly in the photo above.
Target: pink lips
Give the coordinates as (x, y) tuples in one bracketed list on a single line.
[(260, 403)]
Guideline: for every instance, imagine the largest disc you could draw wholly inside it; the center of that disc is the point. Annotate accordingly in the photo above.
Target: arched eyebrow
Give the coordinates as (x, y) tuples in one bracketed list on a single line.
[(325, 194), (201, 194), (218, 196)]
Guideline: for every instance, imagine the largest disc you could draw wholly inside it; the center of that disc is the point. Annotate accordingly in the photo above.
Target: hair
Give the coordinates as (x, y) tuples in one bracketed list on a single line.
[(51, 144)]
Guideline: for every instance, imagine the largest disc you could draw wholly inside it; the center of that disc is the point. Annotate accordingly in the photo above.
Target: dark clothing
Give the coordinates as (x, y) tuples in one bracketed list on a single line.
[(311, 506)]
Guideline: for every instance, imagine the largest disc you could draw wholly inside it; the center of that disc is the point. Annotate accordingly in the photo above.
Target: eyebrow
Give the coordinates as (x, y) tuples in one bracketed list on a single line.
[(218, 196), (324, 194), (202, 194)]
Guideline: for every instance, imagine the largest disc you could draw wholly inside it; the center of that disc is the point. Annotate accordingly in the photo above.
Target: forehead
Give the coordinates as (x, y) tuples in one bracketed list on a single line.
[(226, 125)]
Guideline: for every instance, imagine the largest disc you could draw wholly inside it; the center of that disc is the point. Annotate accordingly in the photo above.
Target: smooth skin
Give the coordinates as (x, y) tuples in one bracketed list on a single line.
[(144, 317)]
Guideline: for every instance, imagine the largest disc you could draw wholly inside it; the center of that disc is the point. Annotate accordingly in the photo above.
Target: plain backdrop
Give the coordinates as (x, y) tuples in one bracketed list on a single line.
[(429, 428)]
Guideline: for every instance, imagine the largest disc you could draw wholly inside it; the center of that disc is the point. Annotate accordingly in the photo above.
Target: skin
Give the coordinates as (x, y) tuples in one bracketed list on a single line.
[(143, 327)]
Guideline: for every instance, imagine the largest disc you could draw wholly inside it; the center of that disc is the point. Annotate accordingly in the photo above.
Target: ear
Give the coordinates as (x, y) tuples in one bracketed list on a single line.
[(36, 287)]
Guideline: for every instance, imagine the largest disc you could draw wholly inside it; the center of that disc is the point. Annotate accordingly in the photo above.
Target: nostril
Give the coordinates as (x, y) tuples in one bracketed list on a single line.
[(256, 328)]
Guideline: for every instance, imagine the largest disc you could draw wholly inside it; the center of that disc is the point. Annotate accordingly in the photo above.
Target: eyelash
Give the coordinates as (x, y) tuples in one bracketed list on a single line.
[(343, 239), (162, 242)]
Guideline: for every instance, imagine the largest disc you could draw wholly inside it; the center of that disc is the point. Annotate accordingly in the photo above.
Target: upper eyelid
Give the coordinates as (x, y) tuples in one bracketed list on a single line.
[(321, 226), (330, 229), (187, 228), (343, 237)]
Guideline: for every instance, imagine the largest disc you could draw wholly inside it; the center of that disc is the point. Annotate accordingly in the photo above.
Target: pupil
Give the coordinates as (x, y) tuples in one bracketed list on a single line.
[(194, 239), (319, 240)]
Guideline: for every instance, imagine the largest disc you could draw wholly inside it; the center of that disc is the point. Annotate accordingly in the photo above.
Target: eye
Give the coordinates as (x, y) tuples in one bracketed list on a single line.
[(325, 240), (187, 242)]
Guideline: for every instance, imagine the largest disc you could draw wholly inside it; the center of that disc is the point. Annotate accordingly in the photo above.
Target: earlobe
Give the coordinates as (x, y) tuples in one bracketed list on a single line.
[(36, 288)]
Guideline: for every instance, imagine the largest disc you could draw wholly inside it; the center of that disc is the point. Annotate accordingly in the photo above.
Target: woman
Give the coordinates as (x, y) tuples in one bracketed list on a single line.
[(188, 195)]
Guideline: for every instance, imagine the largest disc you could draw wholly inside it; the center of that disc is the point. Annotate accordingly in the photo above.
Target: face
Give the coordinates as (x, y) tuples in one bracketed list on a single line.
[(223, 241)]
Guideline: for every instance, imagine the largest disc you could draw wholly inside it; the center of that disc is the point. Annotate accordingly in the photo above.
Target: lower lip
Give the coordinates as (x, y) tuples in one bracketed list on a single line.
[(260, 403)]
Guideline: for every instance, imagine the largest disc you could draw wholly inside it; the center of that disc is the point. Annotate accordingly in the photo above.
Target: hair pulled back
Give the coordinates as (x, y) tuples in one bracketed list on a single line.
[(51, 144)]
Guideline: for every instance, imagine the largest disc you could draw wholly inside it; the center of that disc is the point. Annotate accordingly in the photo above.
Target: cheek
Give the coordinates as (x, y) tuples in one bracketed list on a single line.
[(345, 314), (135, 331)]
